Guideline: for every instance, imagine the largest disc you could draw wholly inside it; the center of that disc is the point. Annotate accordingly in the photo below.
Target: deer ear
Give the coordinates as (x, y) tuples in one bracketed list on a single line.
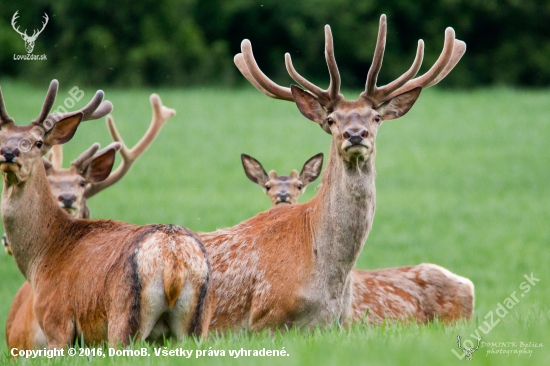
[(254, 170), (101, 165), (308, 105), (47, 164), (311, 169), (398, 106), (63, 130)]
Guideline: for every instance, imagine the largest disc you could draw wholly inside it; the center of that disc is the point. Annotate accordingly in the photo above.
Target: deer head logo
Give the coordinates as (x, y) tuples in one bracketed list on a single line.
[(468, 351), (29, 40)]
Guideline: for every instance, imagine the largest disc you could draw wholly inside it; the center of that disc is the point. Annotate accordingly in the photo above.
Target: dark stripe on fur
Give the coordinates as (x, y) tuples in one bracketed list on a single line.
[(135, 281), (197, 322)]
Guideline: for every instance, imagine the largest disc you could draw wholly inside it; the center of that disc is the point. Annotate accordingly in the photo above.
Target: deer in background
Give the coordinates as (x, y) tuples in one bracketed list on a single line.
[(123, 280), (292, 265), (283, 189), (29, 41), (420, 293), (71, 188)]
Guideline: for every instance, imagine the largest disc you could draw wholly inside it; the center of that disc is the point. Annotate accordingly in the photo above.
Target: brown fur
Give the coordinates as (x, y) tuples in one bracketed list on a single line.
[(419, 293), (25, 332), (97, 280), (293, 263)]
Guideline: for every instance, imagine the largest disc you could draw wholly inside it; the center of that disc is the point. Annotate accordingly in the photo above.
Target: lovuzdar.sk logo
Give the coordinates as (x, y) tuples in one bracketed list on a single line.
[(29, 40)]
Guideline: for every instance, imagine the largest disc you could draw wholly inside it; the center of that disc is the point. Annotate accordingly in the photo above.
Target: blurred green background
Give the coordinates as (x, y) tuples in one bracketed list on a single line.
[(192, 42), (463, 179)]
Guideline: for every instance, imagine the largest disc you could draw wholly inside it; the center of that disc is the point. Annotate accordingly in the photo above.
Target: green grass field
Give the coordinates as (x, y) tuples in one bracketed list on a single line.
[(463, 182)]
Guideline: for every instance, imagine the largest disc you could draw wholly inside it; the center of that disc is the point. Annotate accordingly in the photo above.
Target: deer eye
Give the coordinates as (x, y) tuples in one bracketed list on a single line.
[(377, 118), (267, 187), (82, 183), (39, 144), (300, 186), (330, 121)]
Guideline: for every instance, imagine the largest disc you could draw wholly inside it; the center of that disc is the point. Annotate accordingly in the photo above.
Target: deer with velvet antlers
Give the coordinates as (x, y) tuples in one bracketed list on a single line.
[(413, 293), (292, 265), (94, 280), (71, 188)]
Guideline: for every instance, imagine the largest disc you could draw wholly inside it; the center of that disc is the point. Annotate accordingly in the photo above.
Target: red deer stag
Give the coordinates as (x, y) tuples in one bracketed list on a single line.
[(71, 187), (123, 280), (420, 293), (292, 265)]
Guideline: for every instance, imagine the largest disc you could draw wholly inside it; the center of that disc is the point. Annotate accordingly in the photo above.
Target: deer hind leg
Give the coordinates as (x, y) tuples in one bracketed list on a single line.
[(60, 331)]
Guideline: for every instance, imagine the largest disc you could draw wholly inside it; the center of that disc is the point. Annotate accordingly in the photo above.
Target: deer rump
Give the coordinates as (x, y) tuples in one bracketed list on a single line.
[(114, 286)]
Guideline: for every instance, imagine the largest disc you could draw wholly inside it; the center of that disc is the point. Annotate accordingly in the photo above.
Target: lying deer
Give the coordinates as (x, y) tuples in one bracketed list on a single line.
[(422, 292), (283, 189), (71, 188), (122, 280), (292, 265)]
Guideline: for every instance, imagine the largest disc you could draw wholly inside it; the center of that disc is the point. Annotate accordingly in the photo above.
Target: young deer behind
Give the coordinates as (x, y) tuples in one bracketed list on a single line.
[(292, 265), (94, 280), (283, 189), (413, 293)]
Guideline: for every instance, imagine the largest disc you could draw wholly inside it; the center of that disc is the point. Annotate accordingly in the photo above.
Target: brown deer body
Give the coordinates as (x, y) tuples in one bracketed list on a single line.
[(71, 188), (96, 280), (293, 263), (420, 293), (413, 293)]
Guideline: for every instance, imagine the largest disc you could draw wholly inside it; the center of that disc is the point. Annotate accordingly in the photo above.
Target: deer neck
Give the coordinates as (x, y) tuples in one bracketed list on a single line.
[(347, 203), (32, 219)]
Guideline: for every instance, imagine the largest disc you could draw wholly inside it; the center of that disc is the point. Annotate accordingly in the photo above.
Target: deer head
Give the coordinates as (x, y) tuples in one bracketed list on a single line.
[(69, 185), (283, 189), (22, 147), (91, 173), (29, 40), (354, 124)]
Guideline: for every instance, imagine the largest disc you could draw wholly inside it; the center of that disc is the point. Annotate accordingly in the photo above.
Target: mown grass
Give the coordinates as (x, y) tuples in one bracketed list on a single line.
[(463, 182)]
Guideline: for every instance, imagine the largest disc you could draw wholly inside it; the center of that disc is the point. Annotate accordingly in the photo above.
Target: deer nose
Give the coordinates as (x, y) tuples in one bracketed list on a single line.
[(284, 196), (9, 155), (67, 199), (355, 137)]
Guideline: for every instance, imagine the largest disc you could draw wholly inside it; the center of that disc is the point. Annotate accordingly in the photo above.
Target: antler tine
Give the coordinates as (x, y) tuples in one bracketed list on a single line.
[(48, 102), (383, 91), (56, 156), (432, 76), (458, 51), (79, 162), (276, 91), (325, 97), (322, 95), (4, 117), (160, 115), (129, 156), (241, 65), (372, 76), (334, 86), (96, 108)]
